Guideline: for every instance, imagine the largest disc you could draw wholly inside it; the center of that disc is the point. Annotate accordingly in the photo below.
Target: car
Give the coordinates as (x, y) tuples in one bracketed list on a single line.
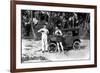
[(70, 39)]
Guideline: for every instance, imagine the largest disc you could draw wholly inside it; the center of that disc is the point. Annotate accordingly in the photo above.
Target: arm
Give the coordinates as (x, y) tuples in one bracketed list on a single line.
[(47, 32), (60, 32), (40, 30)]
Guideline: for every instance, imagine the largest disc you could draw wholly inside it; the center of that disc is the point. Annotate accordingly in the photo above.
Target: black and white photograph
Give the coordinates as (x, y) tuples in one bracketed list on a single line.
[(49, 36)]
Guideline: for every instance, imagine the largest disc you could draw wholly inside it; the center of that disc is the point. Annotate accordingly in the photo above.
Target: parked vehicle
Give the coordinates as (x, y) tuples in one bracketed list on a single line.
[(70, 39)]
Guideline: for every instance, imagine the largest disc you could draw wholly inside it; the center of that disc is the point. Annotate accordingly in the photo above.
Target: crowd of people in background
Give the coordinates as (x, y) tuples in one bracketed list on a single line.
[(32, 21)]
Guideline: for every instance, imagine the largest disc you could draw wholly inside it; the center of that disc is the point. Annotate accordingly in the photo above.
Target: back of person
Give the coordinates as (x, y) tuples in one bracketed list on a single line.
[(58, 34)]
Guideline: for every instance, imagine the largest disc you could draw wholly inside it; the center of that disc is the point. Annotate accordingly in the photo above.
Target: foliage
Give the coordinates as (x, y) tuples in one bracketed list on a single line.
[(63, 20)]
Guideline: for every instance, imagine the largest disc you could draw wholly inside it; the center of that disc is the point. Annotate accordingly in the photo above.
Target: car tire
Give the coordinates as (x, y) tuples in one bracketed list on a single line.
[(52, 47), (76, 45)]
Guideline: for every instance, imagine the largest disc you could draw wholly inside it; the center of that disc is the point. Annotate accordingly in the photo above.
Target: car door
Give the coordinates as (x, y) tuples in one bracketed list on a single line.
[(68, 38)]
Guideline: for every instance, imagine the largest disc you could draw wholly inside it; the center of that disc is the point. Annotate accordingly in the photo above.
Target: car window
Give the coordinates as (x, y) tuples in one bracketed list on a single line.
[(69, 33), (75, 33)]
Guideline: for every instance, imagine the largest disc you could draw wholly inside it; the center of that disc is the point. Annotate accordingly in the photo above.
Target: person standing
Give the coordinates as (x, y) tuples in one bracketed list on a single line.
[(58, 33), (44, 37)]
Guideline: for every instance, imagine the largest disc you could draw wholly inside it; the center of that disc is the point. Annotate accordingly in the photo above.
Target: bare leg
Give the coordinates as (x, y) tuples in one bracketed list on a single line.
[(58, 47), (61, 46)]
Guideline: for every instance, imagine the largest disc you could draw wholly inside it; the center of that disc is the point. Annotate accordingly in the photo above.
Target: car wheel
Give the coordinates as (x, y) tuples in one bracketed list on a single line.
[(76, 45), (52, 47)]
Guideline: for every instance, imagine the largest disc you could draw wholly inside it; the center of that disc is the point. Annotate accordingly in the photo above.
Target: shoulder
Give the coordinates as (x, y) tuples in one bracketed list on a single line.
[(58, 30)]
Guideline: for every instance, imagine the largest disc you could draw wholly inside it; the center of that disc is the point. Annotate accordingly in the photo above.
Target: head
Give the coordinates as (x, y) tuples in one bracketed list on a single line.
[(44, 26), (56, 28)]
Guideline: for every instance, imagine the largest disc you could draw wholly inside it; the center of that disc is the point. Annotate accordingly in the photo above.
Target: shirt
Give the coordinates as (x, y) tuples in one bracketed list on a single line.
[(44, 31)]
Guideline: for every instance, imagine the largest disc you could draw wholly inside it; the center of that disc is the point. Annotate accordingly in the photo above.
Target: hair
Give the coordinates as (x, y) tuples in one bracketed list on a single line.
[(44, 25)]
